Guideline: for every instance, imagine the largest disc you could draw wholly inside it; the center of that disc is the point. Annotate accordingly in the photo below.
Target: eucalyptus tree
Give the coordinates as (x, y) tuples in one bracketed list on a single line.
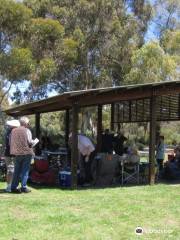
[(150, 64), (100, 36), (15, 62), (166, 16)]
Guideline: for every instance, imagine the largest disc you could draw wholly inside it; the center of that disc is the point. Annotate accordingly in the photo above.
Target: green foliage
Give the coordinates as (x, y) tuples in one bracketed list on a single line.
[(88, 44), (171, 42), (39, 8), (15, 17), (69, 49), (44, 34), (45, 71), (17, 63), (151, 64), (54, 131), (78, 36), (98, 42), (46, 30), (171, 132), (166, 15)]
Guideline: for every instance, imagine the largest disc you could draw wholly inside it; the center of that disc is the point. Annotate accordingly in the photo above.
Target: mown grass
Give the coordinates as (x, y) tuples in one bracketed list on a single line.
[(94, 214)]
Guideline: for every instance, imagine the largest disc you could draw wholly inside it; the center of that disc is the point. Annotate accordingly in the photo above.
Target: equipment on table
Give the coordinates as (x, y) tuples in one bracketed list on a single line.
[(57, 159)]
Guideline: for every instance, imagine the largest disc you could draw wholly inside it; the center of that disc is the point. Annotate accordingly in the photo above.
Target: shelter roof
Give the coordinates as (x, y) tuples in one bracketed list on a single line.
[(92, 97)]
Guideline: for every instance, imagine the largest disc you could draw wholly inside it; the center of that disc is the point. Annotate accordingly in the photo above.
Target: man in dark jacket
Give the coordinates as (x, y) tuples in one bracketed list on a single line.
[(119, 143), (107, 142), (8, 157)]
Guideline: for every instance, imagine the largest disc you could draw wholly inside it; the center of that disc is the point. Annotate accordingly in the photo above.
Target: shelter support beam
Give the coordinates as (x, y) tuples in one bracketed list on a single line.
[(112, 116), (37, 131), (99, 128), (66, 127), (74, 152), (152, 144)]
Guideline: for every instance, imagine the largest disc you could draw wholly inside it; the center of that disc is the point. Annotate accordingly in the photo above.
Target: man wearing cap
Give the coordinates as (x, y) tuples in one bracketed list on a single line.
[(8, 157), (21, 146)]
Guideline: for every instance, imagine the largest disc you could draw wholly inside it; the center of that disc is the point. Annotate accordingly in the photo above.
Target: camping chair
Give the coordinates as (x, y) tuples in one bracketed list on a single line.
[(129, 172)]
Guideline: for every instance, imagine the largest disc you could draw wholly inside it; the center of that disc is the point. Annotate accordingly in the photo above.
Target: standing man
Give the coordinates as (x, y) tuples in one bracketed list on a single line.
[(9, 159), (21, 146), (160, 153), (107, 142), (119, 140)]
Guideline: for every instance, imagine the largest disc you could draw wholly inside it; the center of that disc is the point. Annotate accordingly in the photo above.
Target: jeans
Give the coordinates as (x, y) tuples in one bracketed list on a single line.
[(21, 170), (160, 164)]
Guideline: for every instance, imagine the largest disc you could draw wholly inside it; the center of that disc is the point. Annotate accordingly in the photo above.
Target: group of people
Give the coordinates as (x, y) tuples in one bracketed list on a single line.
[(18, 154), (113, 143)]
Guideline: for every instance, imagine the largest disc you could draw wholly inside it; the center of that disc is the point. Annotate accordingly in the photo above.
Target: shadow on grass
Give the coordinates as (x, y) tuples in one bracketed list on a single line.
[(95, 187), (2, 191)]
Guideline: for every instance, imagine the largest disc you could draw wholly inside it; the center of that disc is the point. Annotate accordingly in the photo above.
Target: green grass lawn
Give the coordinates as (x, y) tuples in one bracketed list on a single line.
[(111, 213)]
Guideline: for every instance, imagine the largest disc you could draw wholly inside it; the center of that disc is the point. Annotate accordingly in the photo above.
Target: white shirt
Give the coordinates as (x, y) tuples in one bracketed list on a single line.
[(85, 145), (29, 136)]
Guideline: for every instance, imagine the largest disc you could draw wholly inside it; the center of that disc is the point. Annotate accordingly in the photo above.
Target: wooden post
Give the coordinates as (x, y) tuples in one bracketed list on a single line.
[(112, 116), (67, 128), (99, 128), (74, 152), (37, 131), (152, 144)]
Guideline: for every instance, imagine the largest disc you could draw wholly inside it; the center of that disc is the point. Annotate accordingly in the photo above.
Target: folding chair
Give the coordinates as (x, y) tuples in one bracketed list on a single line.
[(129, 172)]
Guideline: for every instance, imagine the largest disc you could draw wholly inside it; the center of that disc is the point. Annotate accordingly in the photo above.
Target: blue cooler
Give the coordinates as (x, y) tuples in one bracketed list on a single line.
[(65, 178)]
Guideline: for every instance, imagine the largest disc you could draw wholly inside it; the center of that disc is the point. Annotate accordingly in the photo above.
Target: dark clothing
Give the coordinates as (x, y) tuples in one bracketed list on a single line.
[(119, 144), (7, 143), (160, 164), (107, 143)]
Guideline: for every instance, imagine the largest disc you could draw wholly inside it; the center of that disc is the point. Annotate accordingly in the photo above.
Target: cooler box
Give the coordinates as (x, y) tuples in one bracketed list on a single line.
[(65, 178)]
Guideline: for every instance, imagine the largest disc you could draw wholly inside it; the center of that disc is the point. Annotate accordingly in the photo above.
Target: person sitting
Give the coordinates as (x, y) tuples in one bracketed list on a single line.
[(172, 168), (133, 155)]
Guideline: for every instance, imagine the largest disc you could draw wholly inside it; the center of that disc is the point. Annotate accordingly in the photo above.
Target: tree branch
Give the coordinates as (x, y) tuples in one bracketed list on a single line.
[(6, 92)]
